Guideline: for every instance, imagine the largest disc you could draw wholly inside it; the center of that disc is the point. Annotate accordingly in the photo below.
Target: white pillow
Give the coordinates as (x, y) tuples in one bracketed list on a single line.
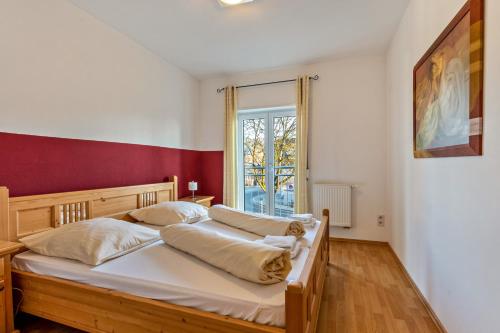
[(170, 212), (91, 242)]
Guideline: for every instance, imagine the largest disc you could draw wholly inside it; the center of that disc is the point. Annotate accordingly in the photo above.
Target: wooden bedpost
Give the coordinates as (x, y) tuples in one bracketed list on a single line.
[(4, 213), (295, 309), (326, 213), (174, 179), (303, 296)]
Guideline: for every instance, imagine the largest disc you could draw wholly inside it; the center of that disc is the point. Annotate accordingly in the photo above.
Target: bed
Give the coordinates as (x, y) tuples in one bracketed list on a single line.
[(114, 297)]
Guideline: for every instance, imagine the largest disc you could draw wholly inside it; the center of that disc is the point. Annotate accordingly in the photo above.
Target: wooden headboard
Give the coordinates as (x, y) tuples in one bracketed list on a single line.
[(23, 216)]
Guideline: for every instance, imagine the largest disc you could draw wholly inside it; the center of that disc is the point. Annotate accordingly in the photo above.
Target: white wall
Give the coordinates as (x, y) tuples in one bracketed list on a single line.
[(348, 127), (445, 212), (65, 74)]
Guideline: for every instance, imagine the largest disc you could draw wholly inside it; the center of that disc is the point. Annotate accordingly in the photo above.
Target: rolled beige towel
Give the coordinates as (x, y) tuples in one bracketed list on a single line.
[(259, 224), (259, 263)]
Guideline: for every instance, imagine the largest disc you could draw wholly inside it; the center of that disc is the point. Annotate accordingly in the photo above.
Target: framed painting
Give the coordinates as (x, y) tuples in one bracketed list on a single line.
[(448, 89)]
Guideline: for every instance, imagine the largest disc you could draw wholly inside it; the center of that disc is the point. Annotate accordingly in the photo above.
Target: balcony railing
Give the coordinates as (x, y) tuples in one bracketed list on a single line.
[(255, 195)]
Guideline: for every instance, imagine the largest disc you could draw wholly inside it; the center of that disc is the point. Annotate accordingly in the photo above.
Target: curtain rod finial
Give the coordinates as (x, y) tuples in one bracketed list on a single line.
[(219, 90)]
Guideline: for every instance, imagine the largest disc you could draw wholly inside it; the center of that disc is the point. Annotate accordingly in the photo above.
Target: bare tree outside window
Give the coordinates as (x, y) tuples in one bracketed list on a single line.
[(253, 152), (255, 163), (285, 130)]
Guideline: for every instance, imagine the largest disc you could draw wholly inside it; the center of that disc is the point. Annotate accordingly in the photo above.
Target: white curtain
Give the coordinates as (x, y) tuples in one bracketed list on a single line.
[(301, 165), (230, 174)]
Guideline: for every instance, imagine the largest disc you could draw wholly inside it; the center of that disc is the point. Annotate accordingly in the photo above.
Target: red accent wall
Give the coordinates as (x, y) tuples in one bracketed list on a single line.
[(212, 177), (35, 164)]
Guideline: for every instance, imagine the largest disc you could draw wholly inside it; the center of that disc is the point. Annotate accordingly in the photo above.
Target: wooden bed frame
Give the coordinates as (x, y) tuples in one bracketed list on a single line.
[(97, 309)]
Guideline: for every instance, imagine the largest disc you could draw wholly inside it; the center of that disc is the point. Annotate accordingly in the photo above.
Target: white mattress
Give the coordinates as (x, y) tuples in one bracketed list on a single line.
[(163, 273)]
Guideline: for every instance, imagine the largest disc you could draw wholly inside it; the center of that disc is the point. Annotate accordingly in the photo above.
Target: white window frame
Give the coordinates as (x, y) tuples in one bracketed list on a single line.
[(268, 114)]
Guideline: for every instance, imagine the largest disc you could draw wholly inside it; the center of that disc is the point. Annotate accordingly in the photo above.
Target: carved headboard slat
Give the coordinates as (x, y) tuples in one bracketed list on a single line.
[(22, 216)]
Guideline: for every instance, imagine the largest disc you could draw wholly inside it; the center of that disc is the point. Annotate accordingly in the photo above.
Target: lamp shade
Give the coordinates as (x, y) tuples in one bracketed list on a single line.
[(193, 186)]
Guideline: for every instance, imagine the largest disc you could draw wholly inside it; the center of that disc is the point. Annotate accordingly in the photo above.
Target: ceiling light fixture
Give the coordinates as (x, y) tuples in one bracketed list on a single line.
[(226, 3)]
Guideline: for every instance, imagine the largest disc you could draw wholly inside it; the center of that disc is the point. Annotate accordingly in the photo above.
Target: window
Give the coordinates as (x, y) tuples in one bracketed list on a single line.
[(266, 160)]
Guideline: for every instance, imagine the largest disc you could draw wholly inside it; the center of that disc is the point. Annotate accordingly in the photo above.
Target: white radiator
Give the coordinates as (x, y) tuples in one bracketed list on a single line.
[(335, 197)]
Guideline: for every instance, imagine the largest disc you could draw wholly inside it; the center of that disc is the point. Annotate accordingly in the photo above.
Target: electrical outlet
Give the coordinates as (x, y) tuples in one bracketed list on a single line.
[(381, 220)]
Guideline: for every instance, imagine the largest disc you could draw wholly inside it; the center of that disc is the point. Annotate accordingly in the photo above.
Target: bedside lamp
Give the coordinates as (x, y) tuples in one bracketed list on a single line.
[(193, 186)]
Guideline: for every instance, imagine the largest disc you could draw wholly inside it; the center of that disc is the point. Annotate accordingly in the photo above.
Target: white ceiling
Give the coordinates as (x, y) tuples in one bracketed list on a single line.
[(205, 39)]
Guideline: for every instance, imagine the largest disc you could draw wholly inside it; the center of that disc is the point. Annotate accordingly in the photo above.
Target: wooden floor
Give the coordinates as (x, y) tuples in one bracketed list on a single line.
[(366, 291)]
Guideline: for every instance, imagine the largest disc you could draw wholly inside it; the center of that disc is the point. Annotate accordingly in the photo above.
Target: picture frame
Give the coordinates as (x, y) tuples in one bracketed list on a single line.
[(448, 89)]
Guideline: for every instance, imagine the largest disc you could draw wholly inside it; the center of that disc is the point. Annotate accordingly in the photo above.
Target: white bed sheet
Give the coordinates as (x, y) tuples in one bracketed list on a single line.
[(163, 273)]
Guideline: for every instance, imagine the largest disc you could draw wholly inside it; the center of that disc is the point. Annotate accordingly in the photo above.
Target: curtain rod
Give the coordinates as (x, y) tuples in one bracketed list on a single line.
[(314, 77)]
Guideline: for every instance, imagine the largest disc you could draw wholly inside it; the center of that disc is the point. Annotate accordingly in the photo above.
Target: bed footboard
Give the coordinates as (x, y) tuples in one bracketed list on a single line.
[(303, 297), (94, 309)]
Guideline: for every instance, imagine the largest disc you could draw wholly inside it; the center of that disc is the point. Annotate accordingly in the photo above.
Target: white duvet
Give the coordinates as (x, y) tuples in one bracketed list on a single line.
[(259, 263), (259, 224)]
